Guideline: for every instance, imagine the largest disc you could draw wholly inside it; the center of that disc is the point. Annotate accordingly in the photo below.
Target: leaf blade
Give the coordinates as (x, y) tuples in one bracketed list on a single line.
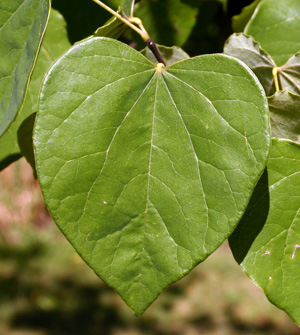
[(249, 51), (22, 27), (271, 259), (289, 74), (129, 182), (275, 25), (54, 44), (284, 115), (240, 21)]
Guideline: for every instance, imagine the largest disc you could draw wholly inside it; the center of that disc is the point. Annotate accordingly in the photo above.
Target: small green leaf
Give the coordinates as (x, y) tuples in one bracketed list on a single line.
[(240, 21), (83, 17), (267, 240), (285, 116), (55, 43), (22, 25), (170, 55), (113, 28), (275, 24), (148, 170), (168, 22), (249, 51)]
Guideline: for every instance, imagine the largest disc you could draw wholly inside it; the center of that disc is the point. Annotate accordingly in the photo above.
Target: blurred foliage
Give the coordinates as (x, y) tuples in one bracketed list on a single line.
[(46, 289)]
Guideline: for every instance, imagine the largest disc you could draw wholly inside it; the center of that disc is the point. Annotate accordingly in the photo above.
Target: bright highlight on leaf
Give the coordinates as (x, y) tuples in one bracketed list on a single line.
[(147, 172)]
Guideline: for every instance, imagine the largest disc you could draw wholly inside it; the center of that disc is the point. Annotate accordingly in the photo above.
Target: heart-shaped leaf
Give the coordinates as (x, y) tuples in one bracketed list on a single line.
[(267, 239), (22, 24), (275, 24), (249, 51), (145, 169), (285, 115), (55, 43)]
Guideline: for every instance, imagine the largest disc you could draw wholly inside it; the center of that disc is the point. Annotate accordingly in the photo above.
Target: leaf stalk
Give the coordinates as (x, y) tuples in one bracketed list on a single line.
[(132, 22), (275, 71)]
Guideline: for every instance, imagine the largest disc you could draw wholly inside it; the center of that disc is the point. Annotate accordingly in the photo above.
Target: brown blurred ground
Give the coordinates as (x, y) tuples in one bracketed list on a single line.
[(45, 288)]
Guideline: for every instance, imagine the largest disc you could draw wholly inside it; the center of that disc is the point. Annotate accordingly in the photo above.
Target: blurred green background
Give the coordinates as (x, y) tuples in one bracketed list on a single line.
[(46, 289)]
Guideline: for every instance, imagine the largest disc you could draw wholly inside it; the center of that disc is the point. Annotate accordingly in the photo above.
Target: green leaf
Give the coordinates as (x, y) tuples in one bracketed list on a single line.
[(128, 6), (284, 115), (83, 17), (168, 22), (267, 239), (22, 25), (289, 74), (249, 51), (275, 24), (55, 43), (245, 48), (170, 55), (148, 170), (113, 28), (240, 21)]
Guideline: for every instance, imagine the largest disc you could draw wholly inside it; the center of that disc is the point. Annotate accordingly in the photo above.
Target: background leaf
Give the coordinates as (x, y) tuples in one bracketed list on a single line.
[(249, 51), (285, 115), (55, 43), (266, 240), (289, 74), (240, 21), (83, 17), (245, 48), (148, 172), (22, 25), (275, 24), (128, 6), (170, 55), (168, 22), (113, 28)]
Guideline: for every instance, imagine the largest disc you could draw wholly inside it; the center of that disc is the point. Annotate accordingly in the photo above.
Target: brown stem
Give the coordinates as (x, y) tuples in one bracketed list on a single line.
[(153, 47)]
